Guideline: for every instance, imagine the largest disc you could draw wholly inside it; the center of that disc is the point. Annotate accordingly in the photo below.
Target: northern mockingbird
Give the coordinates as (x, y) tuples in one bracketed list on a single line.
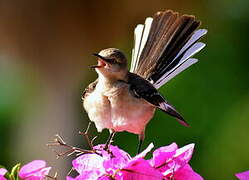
[(122, 100)]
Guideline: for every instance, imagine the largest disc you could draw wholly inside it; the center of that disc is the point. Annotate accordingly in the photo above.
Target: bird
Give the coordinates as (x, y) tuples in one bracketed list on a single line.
[(126, 100)]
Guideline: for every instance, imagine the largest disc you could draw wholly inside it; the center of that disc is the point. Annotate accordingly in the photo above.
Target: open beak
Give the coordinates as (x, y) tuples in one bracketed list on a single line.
[(101, 61)]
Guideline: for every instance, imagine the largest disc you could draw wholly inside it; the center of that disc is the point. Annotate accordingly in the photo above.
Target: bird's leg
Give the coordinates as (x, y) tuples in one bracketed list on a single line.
[(140, 143), (109, 140)]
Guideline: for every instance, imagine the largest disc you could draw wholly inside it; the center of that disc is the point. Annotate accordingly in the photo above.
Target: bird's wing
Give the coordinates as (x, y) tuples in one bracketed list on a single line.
[(164, 46), (90, 88), (141, 88)]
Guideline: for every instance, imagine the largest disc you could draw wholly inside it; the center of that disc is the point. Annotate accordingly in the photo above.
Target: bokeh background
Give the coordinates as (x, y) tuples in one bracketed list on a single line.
[(45, 51)]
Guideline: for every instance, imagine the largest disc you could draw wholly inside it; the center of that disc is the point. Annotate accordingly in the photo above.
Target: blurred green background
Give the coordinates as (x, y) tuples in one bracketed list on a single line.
[(45, 51)]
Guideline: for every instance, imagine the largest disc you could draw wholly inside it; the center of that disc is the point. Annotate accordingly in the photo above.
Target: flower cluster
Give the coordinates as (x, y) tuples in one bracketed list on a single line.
[(35, 170), (168, 162)]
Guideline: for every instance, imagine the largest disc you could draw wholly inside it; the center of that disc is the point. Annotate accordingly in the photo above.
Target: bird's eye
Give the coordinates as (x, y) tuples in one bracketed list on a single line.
[(111, 60)]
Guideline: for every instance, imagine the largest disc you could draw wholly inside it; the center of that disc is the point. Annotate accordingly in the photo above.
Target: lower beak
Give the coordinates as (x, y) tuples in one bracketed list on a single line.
[(95, 66), (101, 61)]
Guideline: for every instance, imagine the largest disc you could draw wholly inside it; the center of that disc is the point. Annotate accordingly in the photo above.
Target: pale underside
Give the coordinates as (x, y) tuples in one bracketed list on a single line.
[(117, 109)]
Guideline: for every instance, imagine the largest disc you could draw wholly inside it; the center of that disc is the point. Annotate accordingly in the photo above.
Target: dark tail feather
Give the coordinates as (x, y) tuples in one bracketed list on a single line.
[(171, 41), (171, 32)]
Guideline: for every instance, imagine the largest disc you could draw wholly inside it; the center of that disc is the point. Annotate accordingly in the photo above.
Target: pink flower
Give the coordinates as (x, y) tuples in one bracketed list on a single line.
[(140, 169), (167, 162), (173, 162), (100, 165), (187, 173), (35, 170), (115, 160), (87, 175), (243, 175), (89, 166), (2, 173), (163, 155)]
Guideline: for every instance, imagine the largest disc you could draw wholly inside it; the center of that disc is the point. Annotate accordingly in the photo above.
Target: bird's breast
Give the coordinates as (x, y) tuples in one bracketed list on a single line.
[(116, 108)]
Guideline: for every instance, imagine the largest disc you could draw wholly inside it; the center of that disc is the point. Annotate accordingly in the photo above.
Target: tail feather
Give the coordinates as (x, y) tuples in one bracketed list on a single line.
[(179, 68), (183, 63), (141, 35), (194, 38), (171, 41), (178, 40)]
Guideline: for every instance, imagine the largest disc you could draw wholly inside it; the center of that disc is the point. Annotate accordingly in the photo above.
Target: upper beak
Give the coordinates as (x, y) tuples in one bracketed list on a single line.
[(100, 57)]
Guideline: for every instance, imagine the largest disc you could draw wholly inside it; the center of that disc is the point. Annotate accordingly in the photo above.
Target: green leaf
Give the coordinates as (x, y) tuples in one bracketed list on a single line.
[(14, 172)]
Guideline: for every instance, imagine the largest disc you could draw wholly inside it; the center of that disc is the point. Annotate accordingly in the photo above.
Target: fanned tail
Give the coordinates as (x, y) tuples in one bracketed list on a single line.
[(164, 46)]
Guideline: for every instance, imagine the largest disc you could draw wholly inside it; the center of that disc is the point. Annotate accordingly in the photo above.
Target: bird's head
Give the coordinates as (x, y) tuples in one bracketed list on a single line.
[(112, 64)]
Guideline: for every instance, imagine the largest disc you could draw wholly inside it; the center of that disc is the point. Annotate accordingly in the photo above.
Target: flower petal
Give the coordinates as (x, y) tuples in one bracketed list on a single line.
[(184, 154), (169, 159), (69, 178), (187, 173), (88, 175), (91, 163), (32, 168), (2, 173), (38, 175), (114, 158), (105, 178), (162, 155), (243, 175), (180, 158), (140, 169), (144, 152)]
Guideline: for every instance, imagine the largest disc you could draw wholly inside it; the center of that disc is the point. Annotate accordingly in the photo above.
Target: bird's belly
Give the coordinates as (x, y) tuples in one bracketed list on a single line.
[(118, 110), (129, 113), (98, 109)]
